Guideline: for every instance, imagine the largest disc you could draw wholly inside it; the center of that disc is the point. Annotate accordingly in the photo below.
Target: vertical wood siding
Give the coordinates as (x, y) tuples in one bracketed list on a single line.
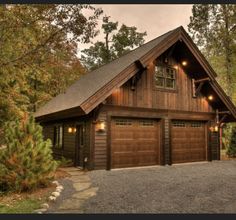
[(68, 150), (146, 95), (100, 145)]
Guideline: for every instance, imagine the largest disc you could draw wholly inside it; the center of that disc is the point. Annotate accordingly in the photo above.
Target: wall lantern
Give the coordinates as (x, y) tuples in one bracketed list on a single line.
[(214, 128), (72, 130), (210, 97), (175, 67), (100, 126), (184, 63)]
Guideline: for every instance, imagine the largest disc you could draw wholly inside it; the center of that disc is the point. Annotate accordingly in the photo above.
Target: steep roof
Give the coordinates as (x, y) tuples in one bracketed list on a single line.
[(92, 88), (90, 83)]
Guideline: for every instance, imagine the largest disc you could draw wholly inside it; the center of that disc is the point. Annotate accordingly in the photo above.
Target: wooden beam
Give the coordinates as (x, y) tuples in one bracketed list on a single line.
[(223, 118), (225, 112), (197, 91), (202, 80), (139, 64)]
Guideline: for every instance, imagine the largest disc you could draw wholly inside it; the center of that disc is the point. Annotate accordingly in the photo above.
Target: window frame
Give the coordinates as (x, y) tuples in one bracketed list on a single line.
[(165, 77), (123, 122), (57, 136)]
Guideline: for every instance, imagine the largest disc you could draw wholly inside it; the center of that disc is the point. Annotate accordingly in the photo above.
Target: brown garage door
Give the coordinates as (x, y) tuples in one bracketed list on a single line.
[(188, 141), (134, 142)]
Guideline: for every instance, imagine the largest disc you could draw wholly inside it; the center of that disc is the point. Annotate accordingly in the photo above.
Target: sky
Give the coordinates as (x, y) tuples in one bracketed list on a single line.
[(154, 19)]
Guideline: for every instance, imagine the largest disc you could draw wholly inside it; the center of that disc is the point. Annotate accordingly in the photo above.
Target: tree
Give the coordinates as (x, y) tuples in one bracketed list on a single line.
[(117, 42), (231, 150), (38, 53), (213, 28), (26, 162)]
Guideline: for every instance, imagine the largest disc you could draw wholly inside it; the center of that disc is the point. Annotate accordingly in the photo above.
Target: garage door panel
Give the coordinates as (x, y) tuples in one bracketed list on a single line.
[(136, 144), (188, 141)]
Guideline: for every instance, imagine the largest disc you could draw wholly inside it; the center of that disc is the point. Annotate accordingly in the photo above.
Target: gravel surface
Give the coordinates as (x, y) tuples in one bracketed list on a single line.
[(208, 187)]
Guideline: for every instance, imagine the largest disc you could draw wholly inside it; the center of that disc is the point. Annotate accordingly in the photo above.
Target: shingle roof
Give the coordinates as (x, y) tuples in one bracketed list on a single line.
[(90, 83)]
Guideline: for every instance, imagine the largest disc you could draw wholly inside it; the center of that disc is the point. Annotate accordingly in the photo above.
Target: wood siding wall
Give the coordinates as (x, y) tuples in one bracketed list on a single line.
[(68, 149), (146, 95), (100, 144)]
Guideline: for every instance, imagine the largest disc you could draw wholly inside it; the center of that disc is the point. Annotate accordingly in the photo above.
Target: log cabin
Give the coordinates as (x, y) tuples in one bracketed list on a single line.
[(156, 105)]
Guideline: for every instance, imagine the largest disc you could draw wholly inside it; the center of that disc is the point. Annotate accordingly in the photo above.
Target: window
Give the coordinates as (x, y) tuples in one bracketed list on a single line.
[(196, 124), (146, 123), (165, 77), (179, 124), (58, 136), (123, 122)]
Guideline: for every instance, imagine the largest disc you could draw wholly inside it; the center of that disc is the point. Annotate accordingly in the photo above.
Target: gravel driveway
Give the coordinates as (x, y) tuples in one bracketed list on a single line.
[(208, 187)]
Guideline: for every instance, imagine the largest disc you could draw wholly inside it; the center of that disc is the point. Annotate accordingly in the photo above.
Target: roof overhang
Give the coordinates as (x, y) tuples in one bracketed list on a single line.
[(68, 113)]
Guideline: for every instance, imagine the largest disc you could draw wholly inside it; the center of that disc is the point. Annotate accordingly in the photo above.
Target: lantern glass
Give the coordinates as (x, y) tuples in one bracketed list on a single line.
[(70, 130), (100, 126)]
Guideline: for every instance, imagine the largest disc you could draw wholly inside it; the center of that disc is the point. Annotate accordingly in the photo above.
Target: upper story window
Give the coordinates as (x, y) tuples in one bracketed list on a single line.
[(165, 77), (58, 136)]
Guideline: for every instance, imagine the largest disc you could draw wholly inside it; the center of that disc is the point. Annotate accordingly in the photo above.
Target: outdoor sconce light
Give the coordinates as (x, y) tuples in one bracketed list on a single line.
[(100, 126), (71, 130), (184, 63), (210, 97), (214, 128)]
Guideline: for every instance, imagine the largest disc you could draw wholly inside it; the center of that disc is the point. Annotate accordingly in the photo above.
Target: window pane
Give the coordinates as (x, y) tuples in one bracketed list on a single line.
[(146, 123), (60, 136), (123, 122), (159, 71), (196, 124), (180, 124), (170, 83), (170, 73)]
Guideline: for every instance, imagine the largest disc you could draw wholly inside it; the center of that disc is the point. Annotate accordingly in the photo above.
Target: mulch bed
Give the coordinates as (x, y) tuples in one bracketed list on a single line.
[(40, 194)]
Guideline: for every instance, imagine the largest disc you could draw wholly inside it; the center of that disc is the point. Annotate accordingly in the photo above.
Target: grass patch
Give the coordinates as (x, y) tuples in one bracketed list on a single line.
[(25, 202), (22, 206)]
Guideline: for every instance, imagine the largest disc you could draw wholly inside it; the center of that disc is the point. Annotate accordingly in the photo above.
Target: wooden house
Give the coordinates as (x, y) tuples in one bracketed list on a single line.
[(158, 104)]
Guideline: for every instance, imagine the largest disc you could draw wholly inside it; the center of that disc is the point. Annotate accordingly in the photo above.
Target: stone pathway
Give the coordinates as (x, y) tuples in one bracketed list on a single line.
[(81, 191)]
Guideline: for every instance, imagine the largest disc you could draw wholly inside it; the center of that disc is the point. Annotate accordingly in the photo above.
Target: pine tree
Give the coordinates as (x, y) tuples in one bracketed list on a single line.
[(213, 28), (231, 151), (117, 42), (26, 163)]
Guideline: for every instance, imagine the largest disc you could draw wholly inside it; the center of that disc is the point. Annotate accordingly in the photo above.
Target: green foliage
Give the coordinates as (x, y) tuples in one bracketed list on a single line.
[(38, 53), (117, 43), (64, 162), (213, 28), (231, 150), (26, 162), (22, 206)]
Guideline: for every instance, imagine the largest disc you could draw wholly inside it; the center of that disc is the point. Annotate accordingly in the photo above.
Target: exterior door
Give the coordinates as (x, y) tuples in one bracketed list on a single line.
[(79, 139), (134, 142), (188, 141)]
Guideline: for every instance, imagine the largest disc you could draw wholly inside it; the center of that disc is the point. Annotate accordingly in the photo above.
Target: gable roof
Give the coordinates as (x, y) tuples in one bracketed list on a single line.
[(94, 87), (90, 83)]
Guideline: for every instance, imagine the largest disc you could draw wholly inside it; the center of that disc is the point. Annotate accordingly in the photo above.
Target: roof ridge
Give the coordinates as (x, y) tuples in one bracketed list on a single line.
[(134, 49)]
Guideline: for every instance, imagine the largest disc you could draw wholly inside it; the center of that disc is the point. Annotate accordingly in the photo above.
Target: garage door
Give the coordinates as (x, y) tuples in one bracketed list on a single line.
[(188, 141), (134, 142)]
